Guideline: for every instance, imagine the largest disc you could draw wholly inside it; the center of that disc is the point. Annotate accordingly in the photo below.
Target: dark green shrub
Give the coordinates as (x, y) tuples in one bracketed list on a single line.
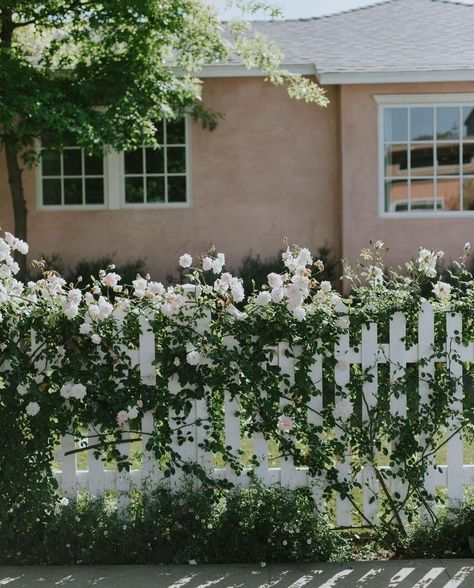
[(252, 525)]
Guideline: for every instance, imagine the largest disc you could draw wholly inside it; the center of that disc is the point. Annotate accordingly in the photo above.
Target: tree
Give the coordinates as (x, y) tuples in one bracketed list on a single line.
[(104, 72)]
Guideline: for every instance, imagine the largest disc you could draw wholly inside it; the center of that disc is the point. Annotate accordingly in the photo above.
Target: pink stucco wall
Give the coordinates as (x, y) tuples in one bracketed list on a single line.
[(360, 201), (270, 171)]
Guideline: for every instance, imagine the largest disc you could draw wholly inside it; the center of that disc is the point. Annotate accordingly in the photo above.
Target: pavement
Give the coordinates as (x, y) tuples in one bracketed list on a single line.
[(385, 574)]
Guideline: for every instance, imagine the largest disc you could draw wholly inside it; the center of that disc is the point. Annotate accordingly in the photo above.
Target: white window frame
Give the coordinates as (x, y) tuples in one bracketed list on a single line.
[(408, 100), (114, 184)]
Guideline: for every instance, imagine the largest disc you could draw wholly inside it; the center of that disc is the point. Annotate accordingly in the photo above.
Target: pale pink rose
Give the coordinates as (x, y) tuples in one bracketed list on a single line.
[(285, 423), (96, 339), (111, 279), (122, 417)]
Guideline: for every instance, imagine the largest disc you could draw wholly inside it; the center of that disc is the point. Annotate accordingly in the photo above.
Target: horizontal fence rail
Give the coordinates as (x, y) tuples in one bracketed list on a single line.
[(454, 476)]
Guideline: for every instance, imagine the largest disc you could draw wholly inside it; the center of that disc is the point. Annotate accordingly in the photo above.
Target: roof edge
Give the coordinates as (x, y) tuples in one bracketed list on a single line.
[(227, 70), (395, 77)]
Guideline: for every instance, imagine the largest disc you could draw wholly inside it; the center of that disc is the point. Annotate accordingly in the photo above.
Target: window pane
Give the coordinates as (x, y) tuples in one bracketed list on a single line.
[(468, 194), (468, 158), (72, 161), (421, 124), (176, 189), (468, 122), (155, 189), (447, 122), (155, 161), (448, 194), (396, 124), (448, 157), (176, 160), (422, 159), (134, 190), (94, 165), (73, 191), (422, 194), (396, 195), (175, 132), (51, 192), (94, 191), (396, 160), (134, 162), (51, 163)]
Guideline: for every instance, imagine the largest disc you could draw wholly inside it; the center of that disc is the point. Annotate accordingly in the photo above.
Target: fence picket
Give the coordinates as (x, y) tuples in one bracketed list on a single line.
[(342, 378), (68, 466), (398, 406), (425, 352), (96, 466), (455, 444), (124, 482), (369, 401), (232, 418), (286, 362), (315, 407), (151, 472)]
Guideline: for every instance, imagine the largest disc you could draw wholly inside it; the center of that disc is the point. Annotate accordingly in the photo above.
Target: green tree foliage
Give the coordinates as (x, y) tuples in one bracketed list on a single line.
[(104, 72)]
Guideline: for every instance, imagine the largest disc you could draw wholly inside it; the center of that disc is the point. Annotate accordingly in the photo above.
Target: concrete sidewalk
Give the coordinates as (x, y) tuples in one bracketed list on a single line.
[(390, 574)]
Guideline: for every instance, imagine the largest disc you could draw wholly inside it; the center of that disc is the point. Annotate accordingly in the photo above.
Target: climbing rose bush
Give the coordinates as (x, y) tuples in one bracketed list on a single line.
[(66, 365)]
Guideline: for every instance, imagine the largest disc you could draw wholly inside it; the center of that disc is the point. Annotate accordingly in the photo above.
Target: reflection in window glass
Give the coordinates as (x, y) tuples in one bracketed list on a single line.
[(396, 160), (447, 123), (396, 194), (395, 125), (468, 122), (158, 176), (422, 159), (468, 193), (449, 193), (421, 124)]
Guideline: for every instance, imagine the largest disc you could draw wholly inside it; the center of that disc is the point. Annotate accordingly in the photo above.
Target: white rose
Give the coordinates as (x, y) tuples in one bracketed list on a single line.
[(85, 328), (78, 391), (74, 296), (275, 280), (194, 358), (237, 291), (263, 298), (111, 280), (299, 313), (207, 264), (325, 286), (277, 294), (96, 339), (132, 412), (185, 260), (32, 408), (22, 389), (343, 409), (442, 290)]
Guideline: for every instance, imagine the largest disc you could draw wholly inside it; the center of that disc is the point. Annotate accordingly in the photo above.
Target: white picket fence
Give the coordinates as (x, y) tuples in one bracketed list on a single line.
[(455, 476)]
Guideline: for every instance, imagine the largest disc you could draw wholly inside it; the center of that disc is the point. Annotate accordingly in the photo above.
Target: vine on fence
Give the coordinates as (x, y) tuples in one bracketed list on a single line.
[(213, 337)]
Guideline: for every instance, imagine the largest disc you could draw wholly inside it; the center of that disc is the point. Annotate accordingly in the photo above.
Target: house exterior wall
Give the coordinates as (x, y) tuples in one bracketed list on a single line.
[(269, 171), (361, 220)]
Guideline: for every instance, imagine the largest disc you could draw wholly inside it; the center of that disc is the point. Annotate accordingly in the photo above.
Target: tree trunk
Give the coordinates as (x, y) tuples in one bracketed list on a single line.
[(18, 201)]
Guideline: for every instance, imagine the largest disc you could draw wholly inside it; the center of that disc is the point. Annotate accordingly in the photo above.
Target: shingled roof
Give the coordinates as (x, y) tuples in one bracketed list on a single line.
[(396, 40)]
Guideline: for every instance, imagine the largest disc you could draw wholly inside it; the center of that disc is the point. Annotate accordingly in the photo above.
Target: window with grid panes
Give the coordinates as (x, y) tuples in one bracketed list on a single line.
[(428, 158), (159, 176)]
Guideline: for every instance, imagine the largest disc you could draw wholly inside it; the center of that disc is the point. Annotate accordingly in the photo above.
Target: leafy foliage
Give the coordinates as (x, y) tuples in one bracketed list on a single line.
[(77, 373), (254, 525)]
